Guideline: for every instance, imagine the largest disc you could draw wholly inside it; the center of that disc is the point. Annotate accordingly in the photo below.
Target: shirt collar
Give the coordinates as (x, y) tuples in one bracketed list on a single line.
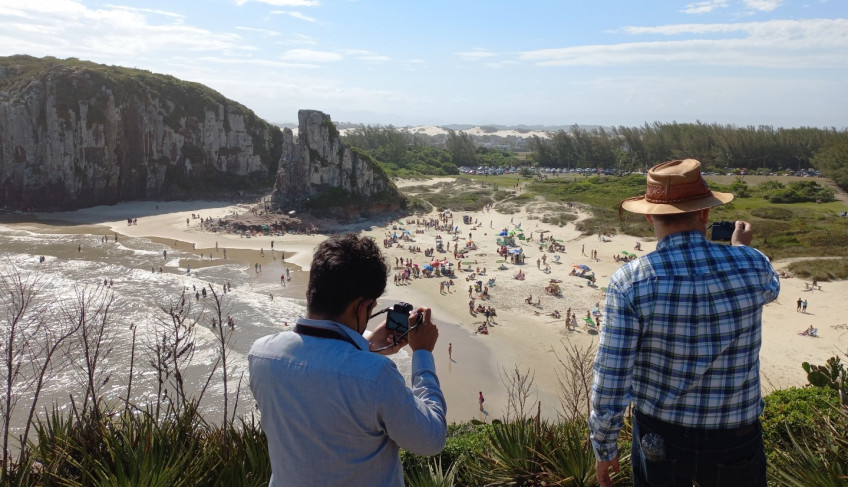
[(338, 327), (680, 238)]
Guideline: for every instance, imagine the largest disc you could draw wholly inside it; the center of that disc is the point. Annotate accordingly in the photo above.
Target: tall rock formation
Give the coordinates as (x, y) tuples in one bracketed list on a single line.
[(319, 173), (76, 134)]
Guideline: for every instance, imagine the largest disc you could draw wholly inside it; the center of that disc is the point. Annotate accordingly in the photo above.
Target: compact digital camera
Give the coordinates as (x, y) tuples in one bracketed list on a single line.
[(723, 230), (397, 318)]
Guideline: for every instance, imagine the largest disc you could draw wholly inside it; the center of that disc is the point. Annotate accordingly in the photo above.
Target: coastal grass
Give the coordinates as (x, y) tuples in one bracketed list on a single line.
[(802, 427), (811, 231), (463, 194)]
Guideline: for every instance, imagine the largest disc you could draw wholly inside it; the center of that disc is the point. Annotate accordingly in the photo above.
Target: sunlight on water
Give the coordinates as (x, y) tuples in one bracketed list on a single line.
[(139, 294)]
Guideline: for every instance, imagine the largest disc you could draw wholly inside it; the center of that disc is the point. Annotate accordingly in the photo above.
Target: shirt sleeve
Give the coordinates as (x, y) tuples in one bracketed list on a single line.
[(414, 419), (612, 387)]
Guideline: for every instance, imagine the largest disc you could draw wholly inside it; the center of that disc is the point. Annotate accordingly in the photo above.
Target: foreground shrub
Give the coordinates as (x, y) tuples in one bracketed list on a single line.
[(794, 409), (818, 455)]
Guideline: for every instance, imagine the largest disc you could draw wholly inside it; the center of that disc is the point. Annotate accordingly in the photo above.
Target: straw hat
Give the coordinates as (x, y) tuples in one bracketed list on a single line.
[(675, 187)]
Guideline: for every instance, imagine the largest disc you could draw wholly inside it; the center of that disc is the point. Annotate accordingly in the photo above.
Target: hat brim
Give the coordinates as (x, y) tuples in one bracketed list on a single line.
[(642, 207)]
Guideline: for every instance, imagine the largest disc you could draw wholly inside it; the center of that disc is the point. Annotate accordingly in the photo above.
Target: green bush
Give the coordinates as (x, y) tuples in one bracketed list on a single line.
[(793, 409), (773, 212)]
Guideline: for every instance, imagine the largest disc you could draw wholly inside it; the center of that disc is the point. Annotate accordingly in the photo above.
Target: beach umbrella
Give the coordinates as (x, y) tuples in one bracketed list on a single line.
[(503, 233), (514, 251), (589, 321), (584, 267), (428, 267), (435, 263)]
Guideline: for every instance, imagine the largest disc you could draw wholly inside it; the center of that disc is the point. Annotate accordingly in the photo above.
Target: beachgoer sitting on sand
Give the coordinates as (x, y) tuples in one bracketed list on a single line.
[(529, 299), (809, 332), (520, 275)]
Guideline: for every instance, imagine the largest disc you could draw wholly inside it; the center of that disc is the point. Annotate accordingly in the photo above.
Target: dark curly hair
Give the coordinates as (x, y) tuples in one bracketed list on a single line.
[(344, 268)]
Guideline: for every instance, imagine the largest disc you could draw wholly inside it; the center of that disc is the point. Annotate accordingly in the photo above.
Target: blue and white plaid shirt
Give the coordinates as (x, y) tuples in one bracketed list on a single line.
[(681, 338)]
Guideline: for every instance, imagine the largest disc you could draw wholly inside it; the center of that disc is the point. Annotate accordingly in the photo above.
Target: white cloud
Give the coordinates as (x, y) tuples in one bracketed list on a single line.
[(258, 31), (773, 44), (65, 28), (146, 10), (367, 56), (311, 56), (705, 6), (283, 3), (762, 5), (241, 61), (296, 15), (475, 54), (301, 39)]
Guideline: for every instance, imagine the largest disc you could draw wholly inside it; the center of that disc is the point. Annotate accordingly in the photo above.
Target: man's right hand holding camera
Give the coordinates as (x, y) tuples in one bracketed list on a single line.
[(423, 336), (743, 234)]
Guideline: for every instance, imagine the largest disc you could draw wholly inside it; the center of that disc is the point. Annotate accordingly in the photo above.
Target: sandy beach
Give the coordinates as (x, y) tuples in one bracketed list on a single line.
[(523, 335)]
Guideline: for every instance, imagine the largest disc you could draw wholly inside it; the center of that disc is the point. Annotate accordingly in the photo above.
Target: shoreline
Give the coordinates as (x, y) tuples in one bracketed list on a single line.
[(525, 337)]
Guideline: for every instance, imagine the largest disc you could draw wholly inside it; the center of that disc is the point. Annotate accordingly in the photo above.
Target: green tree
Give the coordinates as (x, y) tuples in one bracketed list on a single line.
[(461, 147), (832, 160)]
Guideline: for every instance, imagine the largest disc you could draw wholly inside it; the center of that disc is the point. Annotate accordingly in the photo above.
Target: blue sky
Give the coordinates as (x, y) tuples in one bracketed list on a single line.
[(744, 62)]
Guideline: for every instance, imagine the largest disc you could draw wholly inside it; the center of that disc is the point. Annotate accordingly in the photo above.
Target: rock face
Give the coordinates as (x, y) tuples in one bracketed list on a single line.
[(76, 134), (319, 173)]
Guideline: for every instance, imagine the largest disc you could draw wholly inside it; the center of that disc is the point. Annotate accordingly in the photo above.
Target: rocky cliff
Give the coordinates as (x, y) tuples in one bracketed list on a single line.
[(75, 134), (319, 173)]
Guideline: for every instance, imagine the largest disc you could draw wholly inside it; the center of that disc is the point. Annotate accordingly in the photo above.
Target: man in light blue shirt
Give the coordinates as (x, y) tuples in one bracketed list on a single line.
[(335, 412)]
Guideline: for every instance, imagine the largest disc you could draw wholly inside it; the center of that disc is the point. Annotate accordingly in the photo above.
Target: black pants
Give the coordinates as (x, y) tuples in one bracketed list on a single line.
[(701, 457)]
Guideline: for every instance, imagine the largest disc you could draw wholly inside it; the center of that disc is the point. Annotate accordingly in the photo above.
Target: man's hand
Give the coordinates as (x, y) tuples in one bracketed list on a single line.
[(742, 234), (424, 336), (602, 469), (383, 337)]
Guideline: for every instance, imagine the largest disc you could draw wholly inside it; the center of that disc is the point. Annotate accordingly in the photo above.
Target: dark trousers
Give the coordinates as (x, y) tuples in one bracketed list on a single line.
[(701, 457)]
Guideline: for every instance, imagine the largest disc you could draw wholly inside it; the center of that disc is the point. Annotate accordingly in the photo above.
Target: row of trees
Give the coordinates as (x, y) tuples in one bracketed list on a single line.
[(714, 145), (407, 154), (626, 148)]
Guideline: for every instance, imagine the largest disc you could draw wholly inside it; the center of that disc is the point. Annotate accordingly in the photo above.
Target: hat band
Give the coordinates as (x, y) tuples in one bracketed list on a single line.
[(677, 193)]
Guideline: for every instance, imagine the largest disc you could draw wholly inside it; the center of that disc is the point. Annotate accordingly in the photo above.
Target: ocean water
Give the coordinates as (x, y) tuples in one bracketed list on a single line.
[(81, 262)]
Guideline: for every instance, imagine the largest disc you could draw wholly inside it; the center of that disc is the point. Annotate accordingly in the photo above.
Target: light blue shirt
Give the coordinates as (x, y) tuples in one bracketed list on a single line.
[(336, 415)]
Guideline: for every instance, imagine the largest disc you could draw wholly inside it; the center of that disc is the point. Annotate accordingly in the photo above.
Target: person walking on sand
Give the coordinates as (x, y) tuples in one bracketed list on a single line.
[(696, 406), (450, 351), (480, 399), (798, 308), (804, 306)]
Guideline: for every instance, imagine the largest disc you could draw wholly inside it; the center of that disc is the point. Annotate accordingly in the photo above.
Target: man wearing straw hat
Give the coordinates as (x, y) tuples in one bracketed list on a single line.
[(681, 343)]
